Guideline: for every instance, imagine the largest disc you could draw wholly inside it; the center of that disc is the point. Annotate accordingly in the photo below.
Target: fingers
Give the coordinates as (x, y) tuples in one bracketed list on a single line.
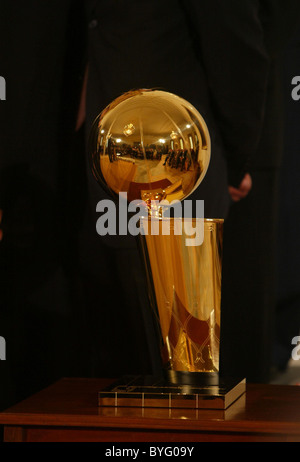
[(235, 194), (243, 190)]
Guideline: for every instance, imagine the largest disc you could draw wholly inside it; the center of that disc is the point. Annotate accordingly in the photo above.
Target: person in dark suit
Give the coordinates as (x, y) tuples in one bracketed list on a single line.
[(56, 319), (287, 320), (250, 233), (38, 291), (226, 53)]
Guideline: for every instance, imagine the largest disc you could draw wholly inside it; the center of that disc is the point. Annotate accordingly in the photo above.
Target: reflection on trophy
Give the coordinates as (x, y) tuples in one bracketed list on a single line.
[(148, 144), (155, 147), (187, 287)]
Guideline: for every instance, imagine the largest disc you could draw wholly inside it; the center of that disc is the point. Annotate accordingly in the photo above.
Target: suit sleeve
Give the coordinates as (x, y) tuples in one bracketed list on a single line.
[(230, 38)]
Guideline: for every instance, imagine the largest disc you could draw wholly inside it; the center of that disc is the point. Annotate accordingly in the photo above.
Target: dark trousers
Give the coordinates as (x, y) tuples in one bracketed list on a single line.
[(249, 282)]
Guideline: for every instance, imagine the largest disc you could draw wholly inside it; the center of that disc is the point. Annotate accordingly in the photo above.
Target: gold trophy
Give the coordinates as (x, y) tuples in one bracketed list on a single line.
[(153, 147)]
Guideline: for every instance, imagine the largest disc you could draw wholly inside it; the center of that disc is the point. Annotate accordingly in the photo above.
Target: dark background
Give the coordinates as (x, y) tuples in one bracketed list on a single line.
[(48, 311)]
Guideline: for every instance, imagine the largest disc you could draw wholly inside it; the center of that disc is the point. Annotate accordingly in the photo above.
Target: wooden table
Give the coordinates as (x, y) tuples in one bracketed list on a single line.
[(67, 411)]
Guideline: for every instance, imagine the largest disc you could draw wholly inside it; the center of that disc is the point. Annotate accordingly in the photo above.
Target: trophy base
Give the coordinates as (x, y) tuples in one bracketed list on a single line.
[(197, 379), (158, 392)]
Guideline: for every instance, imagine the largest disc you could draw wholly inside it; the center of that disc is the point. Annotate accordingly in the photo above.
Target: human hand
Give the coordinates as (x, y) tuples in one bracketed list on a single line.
[(81, 114), (242, 191)]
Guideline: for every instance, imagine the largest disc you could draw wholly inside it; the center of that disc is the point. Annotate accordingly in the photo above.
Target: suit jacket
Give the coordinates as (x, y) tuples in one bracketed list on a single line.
[(36, 250), (220, 55), (147, 44)]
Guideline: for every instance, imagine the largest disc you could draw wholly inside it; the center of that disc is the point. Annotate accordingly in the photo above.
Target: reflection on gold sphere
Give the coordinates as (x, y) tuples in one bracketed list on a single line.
[(151, 144)]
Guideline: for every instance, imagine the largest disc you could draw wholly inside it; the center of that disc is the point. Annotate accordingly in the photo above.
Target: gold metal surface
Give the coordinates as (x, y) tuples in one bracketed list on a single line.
[(187, 288), (154, 145), (150, 144), (152, 392)]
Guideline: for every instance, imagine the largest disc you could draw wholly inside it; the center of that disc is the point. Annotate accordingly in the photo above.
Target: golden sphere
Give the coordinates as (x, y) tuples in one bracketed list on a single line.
[(150, 144)]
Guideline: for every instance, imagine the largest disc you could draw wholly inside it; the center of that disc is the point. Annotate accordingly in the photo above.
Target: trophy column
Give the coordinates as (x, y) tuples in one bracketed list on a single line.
[(185, 293)]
